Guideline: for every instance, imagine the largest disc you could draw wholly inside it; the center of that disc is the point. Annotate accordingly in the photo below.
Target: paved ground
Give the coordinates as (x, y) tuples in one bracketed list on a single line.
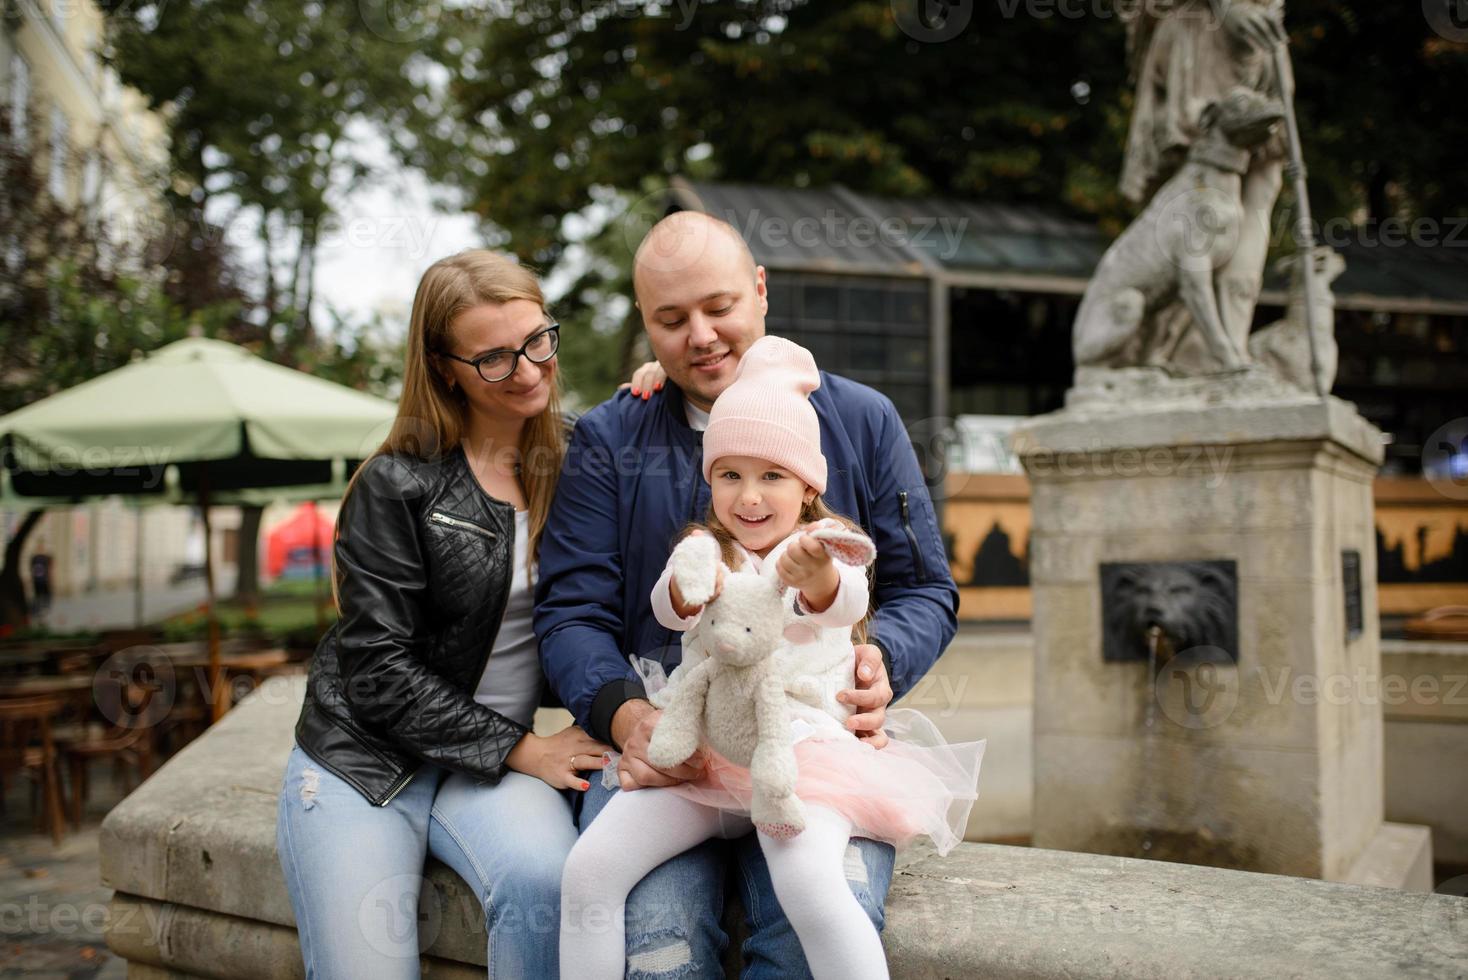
[(113, 608), (52, 907)]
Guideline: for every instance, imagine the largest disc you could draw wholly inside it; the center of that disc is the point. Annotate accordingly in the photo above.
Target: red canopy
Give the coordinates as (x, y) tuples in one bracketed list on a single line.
[(296, 545)]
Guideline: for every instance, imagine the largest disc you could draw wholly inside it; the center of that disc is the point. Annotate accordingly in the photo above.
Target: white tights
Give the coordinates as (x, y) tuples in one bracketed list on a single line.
[(635, 832)]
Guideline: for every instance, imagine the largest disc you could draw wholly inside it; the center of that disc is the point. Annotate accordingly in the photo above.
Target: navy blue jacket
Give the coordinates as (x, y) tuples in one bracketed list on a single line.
[(632, 480)]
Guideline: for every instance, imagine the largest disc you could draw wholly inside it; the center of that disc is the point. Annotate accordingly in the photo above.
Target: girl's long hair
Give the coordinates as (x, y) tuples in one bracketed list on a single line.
[(431, 417), (815, 510)]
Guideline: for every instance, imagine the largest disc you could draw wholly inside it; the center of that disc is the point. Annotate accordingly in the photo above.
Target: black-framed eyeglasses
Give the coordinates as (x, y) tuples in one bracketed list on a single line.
[(498, 365)]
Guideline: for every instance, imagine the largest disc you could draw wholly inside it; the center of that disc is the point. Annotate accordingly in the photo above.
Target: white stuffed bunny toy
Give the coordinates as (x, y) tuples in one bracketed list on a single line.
[(735, 697)]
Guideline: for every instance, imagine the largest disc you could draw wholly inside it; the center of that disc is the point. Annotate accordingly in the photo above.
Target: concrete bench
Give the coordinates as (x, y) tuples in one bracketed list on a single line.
[(1424, 696), (199, 893)]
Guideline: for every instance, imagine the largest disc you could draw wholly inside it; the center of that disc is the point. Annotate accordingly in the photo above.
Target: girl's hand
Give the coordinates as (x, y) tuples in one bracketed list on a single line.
[(558, 759), (807, 566), (646, 380)]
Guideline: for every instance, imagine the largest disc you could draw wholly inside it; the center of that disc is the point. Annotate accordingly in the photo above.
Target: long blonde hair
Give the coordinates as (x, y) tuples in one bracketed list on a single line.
[(814, 509), (431, 417)]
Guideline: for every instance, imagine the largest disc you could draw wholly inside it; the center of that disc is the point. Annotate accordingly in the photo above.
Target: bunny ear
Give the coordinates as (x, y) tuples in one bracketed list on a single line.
[(847, 547), (767, 571)]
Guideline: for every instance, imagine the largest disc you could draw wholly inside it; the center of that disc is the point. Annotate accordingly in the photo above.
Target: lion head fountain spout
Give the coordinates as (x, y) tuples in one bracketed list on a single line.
[(1192, 606)]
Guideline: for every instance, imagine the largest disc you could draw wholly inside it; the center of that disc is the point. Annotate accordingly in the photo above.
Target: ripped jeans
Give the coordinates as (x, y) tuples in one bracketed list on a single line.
[(673, 915), (354, 871)]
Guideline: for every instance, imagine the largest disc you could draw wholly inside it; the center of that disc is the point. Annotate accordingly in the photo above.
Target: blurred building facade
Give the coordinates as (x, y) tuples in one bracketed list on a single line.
[(100, 146), (100, 150)]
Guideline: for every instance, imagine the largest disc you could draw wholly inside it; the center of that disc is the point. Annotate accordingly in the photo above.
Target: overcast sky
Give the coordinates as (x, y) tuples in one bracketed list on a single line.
[(376, 246)]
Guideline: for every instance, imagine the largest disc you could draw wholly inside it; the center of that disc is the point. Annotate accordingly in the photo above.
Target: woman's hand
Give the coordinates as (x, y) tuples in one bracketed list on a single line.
[(558, 759), (646, 380)]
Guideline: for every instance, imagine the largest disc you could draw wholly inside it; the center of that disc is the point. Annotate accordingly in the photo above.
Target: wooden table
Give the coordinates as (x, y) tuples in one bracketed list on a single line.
[(61, 685), (22, 660), (240, 663), (192, 671), (72, 691)]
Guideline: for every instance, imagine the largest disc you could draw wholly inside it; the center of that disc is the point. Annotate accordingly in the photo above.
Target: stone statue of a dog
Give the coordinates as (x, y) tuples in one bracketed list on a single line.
[(1173, 250)]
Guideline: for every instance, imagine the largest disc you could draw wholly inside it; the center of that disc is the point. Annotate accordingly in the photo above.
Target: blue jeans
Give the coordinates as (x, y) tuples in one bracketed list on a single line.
[(673, 915), (354, 871)]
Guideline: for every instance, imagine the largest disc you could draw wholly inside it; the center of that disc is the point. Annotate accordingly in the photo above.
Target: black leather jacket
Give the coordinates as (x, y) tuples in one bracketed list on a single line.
[(423, 566)]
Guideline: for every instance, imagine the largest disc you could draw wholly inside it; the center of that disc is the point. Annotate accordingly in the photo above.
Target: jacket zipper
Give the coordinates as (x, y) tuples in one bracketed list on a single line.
[(671, 639), (399, 786), (917, 554), (439, 517)]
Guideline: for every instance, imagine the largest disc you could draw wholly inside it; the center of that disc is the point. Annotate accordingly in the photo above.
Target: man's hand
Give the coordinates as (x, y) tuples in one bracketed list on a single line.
[(632, 727), (807, 566), (870, 697)]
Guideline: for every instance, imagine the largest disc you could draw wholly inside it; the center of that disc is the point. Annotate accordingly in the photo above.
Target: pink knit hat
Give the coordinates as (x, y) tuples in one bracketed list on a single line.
[(765, 412)]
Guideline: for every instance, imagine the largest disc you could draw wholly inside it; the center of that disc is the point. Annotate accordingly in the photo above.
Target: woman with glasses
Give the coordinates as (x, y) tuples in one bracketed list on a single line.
[(415, 736)]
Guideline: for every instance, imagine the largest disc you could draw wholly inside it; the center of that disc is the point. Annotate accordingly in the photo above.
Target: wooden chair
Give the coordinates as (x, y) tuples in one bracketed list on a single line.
[(27, 747), (130, 749), (124, 698), (189, 715)]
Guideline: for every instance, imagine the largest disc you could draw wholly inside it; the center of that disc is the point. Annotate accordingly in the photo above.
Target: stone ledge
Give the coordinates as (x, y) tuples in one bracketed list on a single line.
[(200, 893), (1079, 431), (179, 941), (1424, 680), (1397, 856)]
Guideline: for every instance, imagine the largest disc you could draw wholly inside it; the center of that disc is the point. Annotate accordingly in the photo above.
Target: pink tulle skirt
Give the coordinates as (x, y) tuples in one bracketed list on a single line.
[(914, 786)]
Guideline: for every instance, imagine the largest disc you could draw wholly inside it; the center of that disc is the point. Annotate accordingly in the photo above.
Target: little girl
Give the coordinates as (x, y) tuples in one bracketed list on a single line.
[(763, 461)]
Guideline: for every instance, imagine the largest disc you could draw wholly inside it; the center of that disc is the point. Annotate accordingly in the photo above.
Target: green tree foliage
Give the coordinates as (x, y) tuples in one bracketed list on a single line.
[(261, 96), (77, 298), (560, 99), (581, 106), (1381, 99)]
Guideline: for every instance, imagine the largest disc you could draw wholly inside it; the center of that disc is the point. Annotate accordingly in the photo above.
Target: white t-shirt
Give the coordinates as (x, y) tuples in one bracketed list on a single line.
[(511, 680), (698, 419)]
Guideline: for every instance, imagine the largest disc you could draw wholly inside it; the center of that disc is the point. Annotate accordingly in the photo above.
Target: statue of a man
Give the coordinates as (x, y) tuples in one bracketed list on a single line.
[(1186, 54)]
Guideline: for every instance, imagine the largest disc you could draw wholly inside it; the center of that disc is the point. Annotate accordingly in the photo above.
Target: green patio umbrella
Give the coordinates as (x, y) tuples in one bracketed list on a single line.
[(199, 420)]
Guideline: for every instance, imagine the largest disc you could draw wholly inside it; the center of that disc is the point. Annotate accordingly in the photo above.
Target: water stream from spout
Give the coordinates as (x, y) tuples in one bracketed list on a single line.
[(1149, 802)]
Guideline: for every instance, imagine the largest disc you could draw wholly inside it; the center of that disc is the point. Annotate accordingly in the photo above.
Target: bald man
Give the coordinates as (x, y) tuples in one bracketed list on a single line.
[(631, 481)]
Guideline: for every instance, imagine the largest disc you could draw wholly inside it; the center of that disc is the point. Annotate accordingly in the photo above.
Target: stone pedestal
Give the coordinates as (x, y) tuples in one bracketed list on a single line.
[(1272, 763)]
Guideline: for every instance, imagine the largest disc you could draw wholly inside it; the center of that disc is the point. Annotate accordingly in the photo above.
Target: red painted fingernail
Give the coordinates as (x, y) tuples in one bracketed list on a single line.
[(658, 386), (635, 392), (585, 784)]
